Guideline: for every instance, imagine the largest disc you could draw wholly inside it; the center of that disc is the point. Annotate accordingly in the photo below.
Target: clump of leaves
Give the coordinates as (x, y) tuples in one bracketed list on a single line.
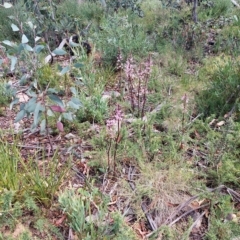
[(87, 216), (85, 211)]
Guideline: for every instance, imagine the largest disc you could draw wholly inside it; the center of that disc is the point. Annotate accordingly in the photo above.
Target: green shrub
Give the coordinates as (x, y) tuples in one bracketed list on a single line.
[(222, 87), (47, 76), (118, 32), (5, 24), (214, 9), (221, 228), (94, 109), (79, 206), (228, 40), (79, 15), (6, 93), (86, 212)]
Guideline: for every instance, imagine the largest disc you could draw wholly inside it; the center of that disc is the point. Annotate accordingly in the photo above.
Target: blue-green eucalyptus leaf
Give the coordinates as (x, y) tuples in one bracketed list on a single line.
[(23, 80), (43, 126), (59, 67), (24, 39), (30, 24), (31, 105), (65, 70), (8, 43), (50, 113), (36, 116), (15, 101), (78, 65), (37, 38), (52, 90), (22, 106), (20, 116), (68, 116), (20, 47), (31, 93), (76, 101), (56, 99), (14, 27), (73, 105), (28, 48), (73, 44), (13, 62), (59, 51), (74, 90), (38, 48)]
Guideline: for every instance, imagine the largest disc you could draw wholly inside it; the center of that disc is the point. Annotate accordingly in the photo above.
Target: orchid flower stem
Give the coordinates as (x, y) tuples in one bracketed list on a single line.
[(108, 153), (116, 147)]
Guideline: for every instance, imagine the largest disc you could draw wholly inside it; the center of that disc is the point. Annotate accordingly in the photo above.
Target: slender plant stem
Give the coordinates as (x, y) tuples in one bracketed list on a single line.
[(144, 96), (108, 153), (115, 148)]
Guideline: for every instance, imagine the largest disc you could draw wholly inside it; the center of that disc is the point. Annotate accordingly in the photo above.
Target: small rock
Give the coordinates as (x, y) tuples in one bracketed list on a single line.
[(232, 217), (221, 123), (70, 136), (212, 122), (110, 94)]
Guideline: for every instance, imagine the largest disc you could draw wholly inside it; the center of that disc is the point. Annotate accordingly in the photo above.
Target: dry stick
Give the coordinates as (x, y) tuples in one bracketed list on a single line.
[(183, 215), (233, 194), (194, 119), (131, 171), (235, 3), (143, 205), (196, 221), (179, 208), (30, 147), (149, 217), (186, 213)]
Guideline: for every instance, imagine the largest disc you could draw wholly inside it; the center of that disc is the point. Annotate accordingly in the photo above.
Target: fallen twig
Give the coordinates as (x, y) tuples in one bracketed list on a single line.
[(233, 194), (196, 221), (149, 217), (131, 172), (235, 3), (180, 207), (186, 213)]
